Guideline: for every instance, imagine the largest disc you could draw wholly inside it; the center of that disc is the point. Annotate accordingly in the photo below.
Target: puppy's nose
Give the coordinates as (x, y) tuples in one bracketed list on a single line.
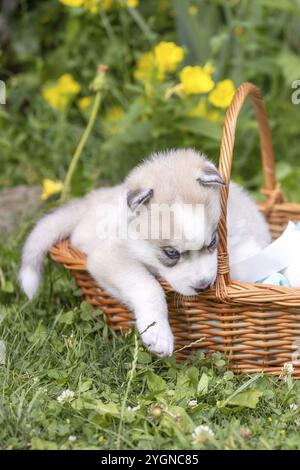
[(201, 286)]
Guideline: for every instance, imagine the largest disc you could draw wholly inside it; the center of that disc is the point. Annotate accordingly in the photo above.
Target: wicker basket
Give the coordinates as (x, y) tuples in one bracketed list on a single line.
[(256, 325)]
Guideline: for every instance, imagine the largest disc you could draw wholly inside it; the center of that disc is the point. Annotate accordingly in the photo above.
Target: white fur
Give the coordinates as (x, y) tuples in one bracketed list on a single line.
[(49, 230), (30, 280), (127, 268)]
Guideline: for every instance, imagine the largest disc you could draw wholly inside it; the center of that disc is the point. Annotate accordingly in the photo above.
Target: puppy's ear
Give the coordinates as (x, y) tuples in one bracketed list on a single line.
[(137, 197), (210, 176)]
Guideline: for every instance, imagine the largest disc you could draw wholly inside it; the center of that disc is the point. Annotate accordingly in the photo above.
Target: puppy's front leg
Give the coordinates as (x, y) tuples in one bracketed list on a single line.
[(147, 299), (130, 282)]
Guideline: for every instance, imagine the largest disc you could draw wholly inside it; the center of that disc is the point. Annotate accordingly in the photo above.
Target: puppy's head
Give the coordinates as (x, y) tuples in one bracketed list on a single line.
[(174, 199)]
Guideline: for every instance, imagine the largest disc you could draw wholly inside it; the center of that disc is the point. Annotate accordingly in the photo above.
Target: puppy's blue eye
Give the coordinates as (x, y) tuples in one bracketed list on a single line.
[(172, 253)]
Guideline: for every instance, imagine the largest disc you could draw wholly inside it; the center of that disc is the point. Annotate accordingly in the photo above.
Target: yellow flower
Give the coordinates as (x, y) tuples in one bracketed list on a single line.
[(115, 113), (93, 6), (72, 3), (222, 95), (132, 3), (67, 85), (195, 80), (51, 187), (112, 118), (106, 4), (84, 103), (52, 95), (58, 96), (193, 10), (201, 110), (145, 67), (167, 56)]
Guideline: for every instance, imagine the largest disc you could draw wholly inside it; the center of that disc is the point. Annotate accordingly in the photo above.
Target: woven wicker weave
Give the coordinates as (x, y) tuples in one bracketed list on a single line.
[(256, 325)]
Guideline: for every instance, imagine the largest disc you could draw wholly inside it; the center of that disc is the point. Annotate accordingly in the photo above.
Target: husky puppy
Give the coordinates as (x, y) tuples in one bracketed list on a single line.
[(182, 249)]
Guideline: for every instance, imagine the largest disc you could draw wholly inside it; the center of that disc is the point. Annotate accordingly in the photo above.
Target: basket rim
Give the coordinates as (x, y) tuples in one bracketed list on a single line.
[(74, 259)]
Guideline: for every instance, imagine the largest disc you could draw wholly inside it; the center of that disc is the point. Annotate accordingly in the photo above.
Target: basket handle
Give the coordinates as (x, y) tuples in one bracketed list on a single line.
[(225, 164)]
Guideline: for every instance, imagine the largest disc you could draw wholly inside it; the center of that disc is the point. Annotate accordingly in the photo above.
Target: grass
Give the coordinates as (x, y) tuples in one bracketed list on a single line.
[(124, 397)]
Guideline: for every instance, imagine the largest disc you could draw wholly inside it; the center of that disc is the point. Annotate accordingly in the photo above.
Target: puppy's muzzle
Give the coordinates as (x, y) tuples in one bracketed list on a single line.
[(201, 286)]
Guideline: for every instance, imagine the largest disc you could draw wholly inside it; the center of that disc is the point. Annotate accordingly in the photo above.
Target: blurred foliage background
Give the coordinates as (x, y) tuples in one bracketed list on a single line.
[(51, 45)]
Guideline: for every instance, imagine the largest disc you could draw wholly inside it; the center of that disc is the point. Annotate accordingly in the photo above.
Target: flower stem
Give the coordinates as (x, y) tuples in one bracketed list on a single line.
[(130, 379), (80, 146), (150, 35)]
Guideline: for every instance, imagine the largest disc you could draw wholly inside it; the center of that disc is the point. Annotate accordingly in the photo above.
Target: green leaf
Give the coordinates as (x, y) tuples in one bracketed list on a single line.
[(201, 127), (194, 33), (138, 132), (68, 317), (56, 374), (85, 386), (87, 312), (289, 64), (283, 170), (156, 383), (144, 357), (42, 444), (229, 375), (202, 387), (248, 399), (40, 333), (220, 363), (87, 402), (110, 408), (240, 390), (177, 420), (187, 382), (285, 5), (8, 287)]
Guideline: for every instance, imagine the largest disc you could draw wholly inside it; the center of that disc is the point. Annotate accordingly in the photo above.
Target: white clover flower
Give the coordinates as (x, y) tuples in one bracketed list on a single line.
[(72, 438), (294, 407), (66, 395), (297, 422), (192, 403), (286, 371), (288, 368), (133, 408), (69, 340), (202, 433)]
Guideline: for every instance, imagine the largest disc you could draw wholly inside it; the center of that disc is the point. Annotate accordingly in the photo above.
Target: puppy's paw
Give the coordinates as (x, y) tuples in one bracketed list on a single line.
[(159, 339)]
